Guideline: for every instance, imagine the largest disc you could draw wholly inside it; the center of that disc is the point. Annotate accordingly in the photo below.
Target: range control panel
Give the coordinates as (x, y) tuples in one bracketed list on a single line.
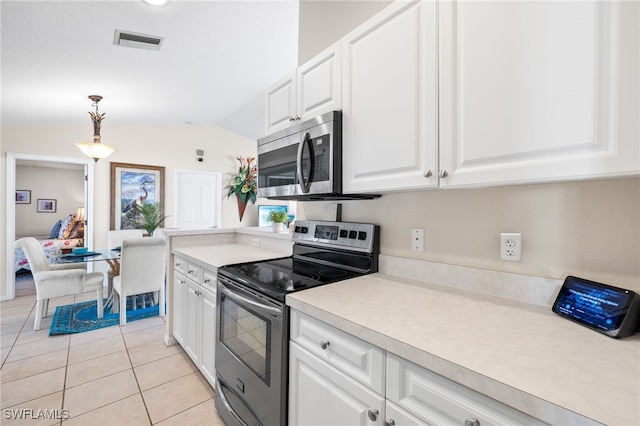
[(348, 235)]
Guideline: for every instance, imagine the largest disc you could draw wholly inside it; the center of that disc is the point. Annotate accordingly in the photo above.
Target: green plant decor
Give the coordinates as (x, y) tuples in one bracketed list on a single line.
[(148, 216), (277, 216), (244, 184)]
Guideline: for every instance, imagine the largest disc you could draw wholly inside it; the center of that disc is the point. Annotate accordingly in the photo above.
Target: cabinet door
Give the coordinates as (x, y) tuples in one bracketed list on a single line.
[(318, 84), (529, 92), (390, 126), (280, 106), (193, 304), (179, 308), (320, 395), (207, 336)]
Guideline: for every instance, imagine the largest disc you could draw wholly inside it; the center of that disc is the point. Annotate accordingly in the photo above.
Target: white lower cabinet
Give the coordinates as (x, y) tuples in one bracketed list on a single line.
[(194, 307), (324, 391), (320, 394)]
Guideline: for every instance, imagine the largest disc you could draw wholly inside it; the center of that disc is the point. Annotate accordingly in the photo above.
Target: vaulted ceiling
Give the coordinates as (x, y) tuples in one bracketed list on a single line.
[(214, 58)]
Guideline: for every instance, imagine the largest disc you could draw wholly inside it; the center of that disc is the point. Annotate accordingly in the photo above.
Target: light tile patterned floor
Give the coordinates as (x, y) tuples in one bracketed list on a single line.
[(112, 376)]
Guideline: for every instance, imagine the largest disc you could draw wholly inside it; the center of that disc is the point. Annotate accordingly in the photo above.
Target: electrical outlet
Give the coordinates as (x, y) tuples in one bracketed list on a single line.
[(256, 242), (417, 239), (511, 246)]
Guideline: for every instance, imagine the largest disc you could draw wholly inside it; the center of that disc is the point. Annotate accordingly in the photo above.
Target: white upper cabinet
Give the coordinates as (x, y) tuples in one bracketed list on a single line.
[(529, 92), (311, 90), (486, 93), (390, 125)]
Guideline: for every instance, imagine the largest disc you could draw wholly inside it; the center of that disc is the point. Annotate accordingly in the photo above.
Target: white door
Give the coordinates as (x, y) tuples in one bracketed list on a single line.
[(320, 395), (197, 199)]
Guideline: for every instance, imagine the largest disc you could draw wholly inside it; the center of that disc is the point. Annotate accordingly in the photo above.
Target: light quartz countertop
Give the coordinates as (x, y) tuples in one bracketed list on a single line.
[(520, 354), (215, 256)]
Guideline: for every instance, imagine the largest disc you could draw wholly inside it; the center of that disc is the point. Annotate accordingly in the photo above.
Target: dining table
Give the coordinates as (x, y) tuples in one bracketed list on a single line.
[(111, 256)]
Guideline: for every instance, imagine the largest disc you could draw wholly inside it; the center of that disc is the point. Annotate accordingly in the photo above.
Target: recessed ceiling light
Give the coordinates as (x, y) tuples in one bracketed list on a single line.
[(156, 2)]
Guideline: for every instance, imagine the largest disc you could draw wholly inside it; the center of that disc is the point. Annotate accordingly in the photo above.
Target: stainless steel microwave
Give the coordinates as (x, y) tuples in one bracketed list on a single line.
[(303, 161)]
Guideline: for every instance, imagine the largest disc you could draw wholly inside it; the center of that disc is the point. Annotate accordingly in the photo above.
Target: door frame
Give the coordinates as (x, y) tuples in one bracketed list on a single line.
[(10, 213)]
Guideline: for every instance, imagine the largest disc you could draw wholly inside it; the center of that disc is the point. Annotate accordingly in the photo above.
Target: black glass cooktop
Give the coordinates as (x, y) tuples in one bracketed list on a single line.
[(277, 277)]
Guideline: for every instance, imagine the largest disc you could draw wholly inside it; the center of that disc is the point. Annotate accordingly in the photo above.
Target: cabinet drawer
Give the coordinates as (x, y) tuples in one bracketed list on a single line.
[(437, 400), (357, 358), (193, 271), (209, 280), (179, 264)]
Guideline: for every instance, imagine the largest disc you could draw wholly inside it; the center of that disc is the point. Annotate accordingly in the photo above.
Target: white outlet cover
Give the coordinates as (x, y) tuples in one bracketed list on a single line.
[(511, 246), (417, 239)]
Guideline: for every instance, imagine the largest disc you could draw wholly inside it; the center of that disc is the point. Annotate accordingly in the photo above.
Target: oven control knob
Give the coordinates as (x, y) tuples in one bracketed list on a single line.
[(297, 229), (353, 235), (304, 230), (344, 233), (362, 235)]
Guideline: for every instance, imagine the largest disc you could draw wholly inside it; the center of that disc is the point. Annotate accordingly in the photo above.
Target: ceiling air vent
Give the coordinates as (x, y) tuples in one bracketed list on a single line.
[(140, 41)]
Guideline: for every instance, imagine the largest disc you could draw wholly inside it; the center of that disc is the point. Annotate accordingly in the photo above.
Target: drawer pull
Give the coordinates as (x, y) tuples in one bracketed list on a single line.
[(207, 281), (391, 422), (324, 344), (472, 422), (373, 415)]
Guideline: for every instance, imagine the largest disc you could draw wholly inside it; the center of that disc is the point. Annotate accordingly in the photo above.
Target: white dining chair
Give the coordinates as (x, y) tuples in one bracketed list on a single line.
[(143, 264), (56, 280)]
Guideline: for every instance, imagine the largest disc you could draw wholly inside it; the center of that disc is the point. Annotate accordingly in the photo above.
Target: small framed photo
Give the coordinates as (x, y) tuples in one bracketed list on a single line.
[(47, 205), (23, 196)]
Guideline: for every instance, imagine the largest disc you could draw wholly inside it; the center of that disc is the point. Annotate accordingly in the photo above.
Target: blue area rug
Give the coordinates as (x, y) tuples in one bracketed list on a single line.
[(81, 317)]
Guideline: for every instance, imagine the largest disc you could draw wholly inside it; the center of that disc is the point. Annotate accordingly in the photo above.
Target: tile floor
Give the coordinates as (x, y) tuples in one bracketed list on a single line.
[(112, 376)]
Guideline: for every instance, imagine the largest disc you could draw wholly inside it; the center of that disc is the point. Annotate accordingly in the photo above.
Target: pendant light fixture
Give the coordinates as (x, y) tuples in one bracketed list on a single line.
[(96, 149)]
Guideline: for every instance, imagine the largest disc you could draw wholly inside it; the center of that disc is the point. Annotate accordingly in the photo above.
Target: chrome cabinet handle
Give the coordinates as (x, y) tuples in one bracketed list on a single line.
[(427, 173), (324, 344), (443, 174), (472, 422), (391, 422), (373, 415)]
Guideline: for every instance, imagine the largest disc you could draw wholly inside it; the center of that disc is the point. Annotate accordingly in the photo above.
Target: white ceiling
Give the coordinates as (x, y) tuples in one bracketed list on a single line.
[(216, 56)]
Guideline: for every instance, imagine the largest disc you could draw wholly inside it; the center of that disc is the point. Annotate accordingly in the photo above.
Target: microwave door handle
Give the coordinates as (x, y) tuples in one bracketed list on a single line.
[(238, 298), (305, 185)]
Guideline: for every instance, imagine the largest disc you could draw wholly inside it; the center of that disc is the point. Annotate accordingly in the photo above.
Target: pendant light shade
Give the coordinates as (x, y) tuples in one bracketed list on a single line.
[(96, 149)]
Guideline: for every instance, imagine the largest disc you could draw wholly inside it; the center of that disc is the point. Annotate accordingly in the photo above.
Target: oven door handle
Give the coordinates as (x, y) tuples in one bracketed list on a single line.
[(305, 185), (225, 401), (238, 298)]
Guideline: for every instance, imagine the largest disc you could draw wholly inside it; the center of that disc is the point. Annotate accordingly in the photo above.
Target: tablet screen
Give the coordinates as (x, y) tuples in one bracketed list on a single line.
[(593, 304)]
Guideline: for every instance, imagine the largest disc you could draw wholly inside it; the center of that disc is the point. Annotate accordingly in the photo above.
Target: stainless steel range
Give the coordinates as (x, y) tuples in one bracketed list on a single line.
[(253, 320)]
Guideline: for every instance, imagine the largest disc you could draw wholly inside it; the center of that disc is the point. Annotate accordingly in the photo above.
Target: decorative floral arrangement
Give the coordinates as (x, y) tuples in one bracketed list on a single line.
[(244, 184)]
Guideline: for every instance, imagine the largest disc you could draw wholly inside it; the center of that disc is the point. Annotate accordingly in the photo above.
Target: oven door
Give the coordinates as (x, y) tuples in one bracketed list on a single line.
[(251, 339), (300, 163)]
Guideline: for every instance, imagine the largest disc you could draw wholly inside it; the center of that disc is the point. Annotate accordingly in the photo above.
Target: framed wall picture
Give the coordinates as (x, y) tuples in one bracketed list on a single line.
[(47, 205), (131, 185), (23, 196)]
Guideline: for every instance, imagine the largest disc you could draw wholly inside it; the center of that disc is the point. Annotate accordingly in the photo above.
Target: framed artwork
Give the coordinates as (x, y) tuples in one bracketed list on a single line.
[(23, 196), (47, 205), (133, 184)]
